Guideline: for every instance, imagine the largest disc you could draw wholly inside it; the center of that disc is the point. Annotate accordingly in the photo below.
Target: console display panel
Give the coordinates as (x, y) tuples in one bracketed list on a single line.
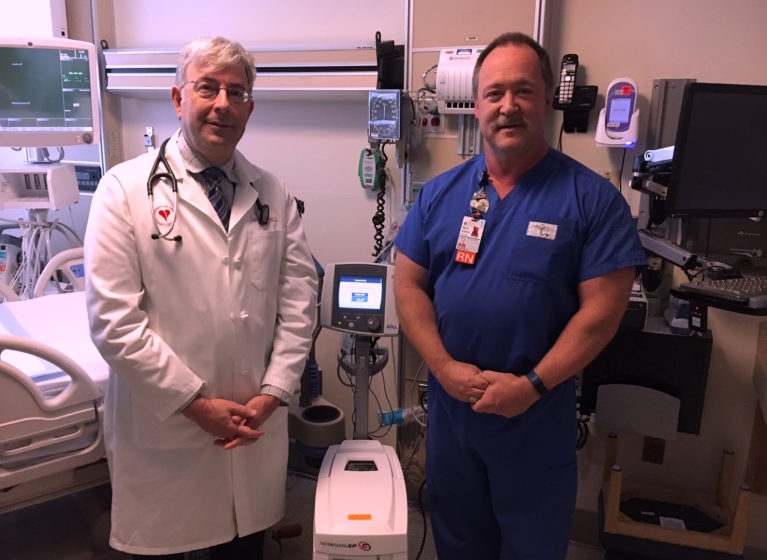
[(620, 110), (48, 93), (360, 292), (717, 169)]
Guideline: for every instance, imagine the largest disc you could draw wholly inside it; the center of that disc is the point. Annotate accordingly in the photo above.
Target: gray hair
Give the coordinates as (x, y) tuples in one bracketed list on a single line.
[(216, 52), (516, 39)]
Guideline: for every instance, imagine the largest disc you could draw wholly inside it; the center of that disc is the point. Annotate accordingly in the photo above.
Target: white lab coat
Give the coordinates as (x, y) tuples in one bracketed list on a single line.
[(220, 312)]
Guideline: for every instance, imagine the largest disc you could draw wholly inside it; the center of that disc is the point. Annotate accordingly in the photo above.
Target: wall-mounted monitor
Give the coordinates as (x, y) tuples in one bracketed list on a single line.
[(48, 93), (721, 142)]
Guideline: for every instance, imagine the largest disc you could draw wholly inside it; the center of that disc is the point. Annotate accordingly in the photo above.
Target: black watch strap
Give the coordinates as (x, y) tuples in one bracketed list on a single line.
[(537, 382)]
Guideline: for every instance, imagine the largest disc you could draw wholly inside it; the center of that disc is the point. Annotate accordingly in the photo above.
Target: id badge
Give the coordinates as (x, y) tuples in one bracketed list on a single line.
[(469, 239)]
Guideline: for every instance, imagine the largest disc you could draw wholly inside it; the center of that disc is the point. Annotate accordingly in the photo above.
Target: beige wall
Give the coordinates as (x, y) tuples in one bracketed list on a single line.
[(716, 41), (256, 23)]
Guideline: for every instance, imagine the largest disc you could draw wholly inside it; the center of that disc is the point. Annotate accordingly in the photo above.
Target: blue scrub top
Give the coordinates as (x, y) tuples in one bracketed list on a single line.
[(507, 310)]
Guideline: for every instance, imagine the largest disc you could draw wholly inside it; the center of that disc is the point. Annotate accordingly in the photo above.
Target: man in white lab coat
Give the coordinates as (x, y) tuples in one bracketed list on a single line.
[(203, 305)]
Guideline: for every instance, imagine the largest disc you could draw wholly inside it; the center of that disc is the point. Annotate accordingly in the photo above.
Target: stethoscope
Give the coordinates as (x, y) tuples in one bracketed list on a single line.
[(155, 175)]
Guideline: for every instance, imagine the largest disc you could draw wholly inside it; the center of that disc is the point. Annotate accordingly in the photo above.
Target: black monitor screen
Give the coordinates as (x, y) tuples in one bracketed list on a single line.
[(721, 144)]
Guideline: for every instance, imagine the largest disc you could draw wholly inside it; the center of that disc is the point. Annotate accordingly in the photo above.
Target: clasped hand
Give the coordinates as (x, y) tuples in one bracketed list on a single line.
[(232, 423), (487, 391), (462, 381), (506, 394)]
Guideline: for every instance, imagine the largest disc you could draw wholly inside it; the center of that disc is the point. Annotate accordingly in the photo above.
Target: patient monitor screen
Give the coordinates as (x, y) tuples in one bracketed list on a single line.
[(360, 292), (46, 96)]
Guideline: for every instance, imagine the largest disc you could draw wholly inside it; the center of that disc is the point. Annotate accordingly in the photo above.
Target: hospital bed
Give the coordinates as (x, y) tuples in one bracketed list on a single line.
[(52, 382), (70, 264)]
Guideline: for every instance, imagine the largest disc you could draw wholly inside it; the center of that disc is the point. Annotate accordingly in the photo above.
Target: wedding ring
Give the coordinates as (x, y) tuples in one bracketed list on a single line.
[(472, 399)]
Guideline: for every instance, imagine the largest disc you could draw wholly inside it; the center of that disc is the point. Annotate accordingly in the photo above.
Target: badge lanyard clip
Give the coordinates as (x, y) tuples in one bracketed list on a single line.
[(473, 226), (479, 204)]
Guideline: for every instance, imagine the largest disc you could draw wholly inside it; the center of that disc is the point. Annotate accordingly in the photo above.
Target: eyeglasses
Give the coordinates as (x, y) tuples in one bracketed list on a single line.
[(206, 89)]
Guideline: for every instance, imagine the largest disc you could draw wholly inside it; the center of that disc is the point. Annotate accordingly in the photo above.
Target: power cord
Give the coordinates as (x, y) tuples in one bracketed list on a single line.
[(377, 359), (620, 174), (36, 248), (379, 218), (423, 518), (374, 357)]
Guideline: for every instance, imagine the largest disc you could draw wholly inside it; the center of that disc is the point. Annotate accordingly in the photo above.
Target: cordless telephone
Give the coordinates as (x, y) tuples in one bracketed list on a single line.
[(573, 100), (567, 79)]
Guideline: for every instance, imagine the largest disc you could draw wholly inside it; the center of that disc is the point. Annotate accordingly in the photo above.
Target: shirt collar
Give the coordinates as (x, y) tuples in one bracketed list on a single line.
[(195, 163)]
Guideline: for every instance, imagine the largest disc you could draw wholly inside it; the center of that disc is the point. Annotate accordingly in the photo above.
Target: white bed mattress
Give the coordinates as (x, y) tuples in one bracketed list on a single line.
[(60, 321)]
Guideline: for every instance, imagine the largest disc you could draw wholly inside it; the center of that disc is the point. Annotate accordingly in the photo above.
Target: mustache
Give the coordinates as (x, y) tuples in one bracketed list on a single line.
[(508, 121)]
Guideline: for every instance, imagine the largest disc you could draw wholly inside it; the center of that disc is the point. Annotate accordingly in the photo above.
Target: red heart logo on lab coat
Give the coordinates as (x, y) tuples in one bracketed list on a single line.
[(164, 213)]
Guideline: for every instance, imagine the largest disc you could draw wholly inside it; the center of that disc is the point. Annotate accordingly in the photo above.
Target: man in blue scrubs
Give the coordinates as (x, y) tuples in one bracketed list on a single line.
[(513, 272)]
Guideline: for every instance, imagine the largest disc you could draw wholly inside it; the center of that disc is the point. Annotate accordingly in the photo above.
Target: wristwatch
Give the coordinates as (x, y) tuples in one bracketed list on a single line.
[(537, 382)]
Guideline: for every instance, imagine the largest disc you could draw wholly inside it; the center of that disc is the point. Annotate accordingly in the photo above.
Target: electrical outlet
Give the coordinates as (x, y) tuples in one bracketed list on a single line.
[(413, 190), (653, 450), (432, 123), (149, 138), (609, 174)]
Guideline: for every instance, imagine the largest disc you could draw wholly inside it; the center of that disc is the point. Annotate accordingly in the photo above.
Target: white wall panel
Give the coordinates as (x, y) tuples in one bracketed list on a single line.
[(260, 23)]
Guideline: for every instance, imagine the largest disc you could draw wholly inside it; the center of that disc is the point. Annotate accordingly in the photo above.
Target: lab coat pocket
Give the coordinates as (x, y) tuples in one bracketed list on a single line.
[(175, 432), (265, 257), (542, 248)]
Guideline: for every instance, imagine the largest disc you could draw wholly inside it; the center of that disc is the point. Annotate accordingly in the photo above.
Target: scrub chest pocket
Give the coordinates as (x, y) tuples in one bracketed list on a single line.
[(542, 248)]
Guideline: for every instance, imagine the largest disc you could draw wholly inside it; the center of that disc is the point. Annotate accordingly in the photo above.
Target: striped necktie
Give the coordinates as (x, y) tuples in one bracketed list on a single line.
[(213, 178)]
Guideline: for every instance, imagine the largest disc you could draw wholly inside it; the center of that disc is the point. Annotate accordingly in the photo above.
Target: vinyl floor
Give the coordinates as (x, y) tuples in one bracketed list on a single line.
[(76, 527)]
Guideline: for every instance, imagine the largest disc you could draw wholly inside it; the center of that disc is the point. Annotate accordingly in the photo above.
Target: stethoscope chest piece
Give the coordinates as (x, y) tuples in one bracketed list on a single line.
[(163, 215)]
